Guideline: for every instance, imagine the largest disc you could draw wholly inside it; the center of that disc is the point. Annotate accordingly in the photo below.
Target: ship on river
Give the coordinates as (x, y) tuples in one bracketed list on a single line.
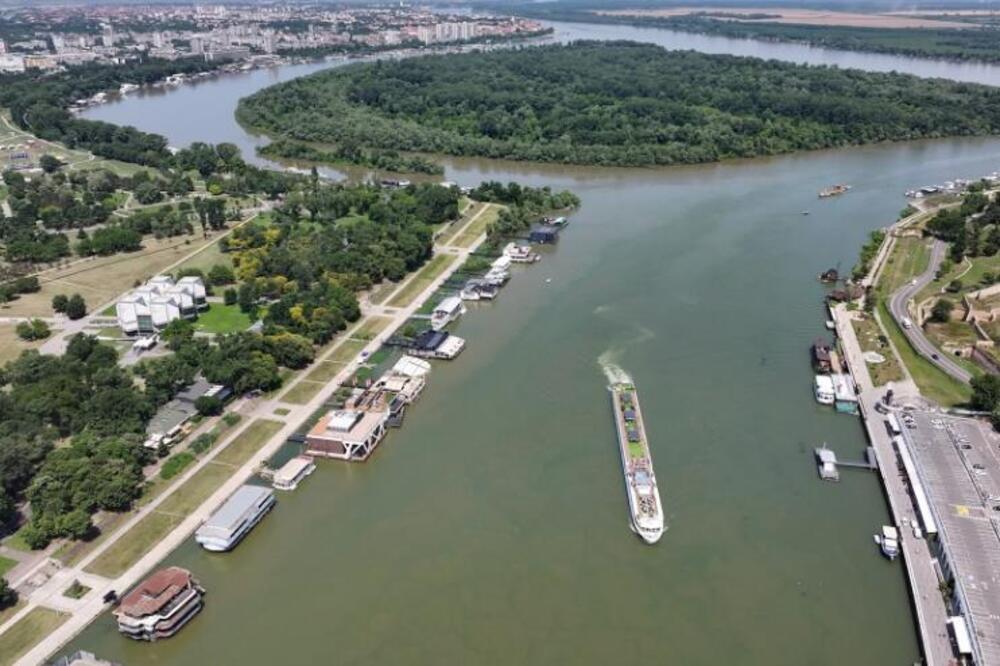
[(637, 463)]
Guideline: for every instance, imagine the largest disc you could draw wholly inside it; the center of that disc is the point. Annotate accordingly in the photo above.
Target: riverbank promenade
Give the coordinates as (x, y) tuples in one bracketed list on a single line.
[(928, 604)]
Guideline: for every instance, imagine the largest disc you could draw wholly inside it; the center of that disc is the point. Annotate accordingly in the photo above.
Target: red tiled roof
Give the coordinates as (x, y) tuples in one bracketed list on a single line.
[(155, 592)]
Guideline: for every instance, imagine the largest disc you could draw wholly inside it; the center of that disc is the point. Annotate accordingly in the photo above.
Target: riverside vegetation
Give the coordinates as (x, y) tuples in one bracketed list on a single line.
[(614, 103), (978, 42)]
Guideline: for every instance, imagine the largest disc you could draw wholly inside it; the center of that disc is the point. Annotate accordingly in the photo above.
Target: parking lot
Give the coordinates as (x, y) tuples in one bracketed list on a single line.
[(959, 464)]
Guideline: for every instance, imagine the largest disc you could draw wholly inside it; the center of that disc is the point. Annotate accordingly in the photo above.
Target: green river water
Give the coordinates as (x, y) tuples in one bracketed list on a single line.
[(493, 528)]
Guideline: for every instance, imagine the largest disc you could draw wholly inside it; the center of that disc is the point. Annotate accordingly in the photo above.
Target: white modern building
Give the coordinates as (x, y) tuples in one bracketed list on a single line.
[(155, 304)]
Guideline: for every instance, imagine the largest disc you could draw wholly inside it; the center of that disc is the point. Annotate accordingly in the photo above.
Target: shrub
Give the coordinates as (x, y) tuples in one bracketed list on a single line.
[(175, 464)]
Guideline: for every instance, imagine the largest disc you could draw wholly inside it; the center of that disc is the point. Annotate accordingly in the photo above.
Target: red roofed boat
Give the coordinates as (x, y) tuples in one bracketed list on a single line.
[(160, 605)]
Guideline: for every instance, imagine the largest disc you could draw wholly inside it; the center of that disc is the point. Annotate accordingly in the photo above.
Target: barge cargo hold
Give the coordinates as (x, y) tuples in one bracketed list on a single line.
[(637, 464)]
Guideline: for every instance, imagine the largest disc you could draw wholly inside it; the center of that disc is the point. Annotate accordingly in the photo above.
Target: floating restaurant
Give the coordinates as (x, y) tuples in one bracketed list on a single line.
[(160, 605)]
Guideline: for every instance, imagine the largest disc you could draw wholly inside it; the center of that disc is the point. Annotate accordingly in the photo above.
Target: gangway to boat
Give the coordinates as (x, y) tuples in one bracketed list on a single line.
[(829, 466)]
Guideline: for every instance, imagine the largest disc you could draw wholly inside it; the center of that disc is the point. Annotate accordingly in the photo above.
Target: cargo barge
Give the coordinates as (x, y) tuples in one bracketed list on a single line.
[(637, 464)]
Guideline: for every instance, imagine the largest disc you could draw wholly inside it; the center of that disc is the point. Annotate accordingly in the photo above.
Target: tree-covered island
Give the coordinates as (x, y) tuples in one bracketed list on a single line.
[(619, 103)]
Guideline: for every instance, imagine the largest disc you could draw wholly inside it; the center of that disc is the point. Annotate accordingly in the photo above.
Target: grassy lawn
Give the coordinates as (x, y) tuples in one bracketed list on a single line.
[(459, 225), (190, 495), (970, 277), (477, 227), (11, 611), (282, 411), (6, 564), (302, 392), (222, 319), (931, 381), (101, 279), (11, 346), (16, 541), (423, 279), (346, 351), (28, 632), (870, 338), (248, 442), (325, 371), (909, 258), (134, 544), (208, 257), (109, 311), (370, 327), (382, 292), (76, 590)]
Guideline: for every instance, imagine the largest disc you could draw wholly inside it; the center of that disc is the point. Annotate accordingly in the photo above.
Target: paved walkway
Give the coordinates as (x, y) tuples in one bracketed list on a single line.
[(917, 558), (50, 594)]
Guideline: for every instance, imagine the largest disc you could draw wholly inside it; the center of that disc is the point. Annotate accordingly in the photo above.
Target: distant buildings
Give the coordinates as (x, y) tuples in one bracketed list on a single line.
[(149, 308)]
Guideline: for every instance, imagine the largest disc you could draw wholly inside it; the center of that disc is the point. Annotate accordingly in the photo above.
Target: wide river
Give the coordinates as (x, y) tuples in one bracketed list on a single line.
[(492, 529)]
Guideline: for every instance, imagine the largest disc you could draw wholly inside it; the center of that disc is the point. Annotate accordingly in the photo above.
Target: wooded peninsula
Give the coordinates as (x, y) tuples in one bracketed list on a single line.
[(614, 103)]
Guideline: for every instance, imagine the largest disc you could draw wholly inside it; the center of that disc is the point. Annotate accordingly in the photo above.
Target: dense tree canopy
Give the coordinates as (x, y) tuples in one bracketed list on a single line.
[(616, 103)]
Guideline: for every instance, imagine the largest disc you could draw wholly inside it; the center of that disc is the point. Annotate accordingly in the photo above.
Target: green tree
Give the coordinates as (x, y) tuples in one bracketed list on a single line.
[(76, 307), (208, 405), (221, 274), (49, 163), (986, 392), (230, 296), (177, 333), (59, 303), (941, 312)]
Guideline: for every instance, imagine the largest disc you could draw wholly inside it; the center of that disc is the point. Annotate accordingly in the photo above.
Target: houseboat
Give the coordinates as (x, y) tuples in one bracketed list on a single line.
[(821, 356), (888, 541), (160, 605), (234, 520), (520, 254), (645, 509), (293, 472), (823, 390), (478, 290), (436, 344), (845, 395), (446, 312)]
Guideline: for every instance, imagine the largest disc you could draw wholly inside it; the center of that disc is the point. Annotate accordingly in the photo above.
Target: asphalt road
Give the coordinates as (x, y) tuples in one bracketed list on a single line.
[(915, 334)]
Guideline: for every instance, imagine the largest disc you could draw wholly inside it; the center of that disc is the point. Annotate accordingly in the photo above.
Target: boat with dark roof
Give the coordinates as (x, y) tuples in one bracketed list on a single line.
[(637, 464)]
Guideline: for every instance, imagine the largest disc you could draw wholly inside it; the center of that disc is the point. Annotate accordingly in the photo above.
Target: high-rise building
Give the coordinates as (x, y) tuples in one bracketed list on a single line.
[(3, 47), (108, 38)]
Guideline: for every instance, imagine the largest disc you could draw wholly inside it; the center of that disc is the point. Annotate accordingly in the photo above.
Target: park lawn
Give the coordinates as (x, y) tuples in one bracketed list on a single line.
[(477, 227), (370, 327), (221, 318), (969, 275), (11, 611), (17, 542), (382, 292), (102, 279), (325, 371), (909, 259), (6, 564), (459, 225), (135, 543), (207, 258), (346, 351), (932, 382), (248, 442), (192, 493), (28, 632), (11, 346), (302, 392), (869, 337), (423, 279)]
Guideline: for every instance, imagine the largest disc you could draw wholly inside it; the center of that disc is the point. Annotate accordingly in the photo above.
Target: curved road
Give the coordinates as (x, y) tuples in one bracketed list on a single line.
[(915, 334)]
